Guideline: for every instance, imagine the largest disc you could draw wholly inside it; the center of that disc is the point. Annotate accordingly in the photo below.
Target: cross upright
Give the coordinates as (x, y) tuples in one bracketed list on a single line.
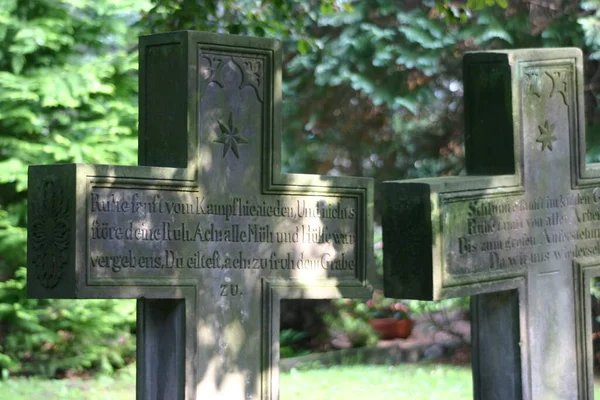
[(519, 231), (208, 234)]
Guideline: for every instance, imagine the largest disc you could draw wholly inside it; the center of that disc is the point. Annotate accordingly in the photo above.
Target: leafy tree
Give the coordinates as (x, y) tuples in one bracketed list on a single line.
[(68, 83), (68, 93), (380, 94)]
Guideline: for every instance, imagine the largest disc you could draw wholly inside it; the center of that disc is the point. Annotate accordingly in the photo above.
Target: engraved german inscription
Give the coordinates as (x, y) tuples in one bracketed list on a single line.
[(514, 232), (148, 232)]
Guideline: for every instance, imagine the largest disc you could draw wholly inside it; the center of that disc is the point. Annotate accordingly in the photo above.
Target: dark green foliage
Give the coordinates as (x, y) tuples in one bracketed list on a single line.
[(350, 318), (68, 93), (292, 343), (49, 337), (380, 94)]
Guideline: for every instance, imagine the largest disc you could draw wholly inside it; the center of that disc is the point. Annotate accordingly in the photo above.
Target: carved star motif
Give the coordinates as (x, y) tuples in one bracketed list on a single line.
[(546, 137), (230, 137)]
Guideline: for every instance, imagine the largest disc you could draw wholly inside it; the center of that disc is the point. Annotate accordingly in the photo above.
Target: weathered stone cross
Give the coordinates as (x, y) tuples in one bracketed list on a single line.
[(209, 234), (521, 230)]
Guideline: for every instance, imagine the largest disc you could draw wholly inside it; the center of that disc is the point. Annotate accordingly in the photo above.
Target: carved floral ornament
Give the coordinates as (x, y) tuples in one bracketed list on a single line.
[(537, 81), (251, 70), (49, 233), (547, 84)]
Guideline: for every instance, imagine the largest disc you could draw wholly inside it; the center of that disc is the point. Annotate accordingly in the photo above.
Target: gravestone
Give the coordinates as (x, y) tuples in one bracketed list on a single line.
[(208, 234), (520, 232)]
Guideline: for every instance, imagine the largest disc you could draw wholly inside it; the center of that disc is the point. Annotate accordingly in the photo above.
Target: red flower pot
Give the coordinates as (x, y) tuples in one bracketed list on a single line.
[(389, 328)]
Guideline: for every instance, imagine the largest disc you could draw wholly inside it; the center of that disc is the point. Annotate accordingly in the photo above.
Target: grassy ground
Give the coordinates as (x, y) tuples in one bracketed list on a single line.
[(413, 381), (121, 386), (358, 382), (339, 383)]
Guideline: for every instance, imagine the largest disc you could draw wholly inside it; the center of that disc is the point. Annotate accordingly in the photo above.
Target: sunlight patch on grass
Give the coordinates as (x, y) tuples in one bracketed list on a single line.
[(418, 382)]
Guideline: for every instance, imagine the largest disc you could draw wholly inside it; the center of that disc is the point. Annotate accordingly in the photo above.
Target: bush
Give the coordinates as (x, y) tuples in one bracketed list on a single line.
[(52, 337), (351, 319), (292, 343)]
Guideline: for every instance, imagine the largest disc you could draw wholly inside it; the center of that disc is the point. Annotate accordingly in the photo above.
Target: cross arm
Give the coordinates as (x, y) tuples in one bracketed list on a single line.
[(59, 204), (416, 215), (95, 229)]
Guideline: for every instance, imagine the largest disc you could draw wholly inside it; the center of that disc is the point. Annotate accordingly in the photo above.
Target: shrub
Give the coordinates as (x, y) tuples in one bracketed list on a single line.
[(51, 337), (351, 318), (292, 343)]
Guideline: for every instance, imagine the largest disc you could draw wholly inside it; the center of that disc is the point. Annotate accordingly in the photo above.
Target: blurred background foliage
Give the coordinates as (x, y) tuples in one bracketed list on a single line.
[(371, 88)]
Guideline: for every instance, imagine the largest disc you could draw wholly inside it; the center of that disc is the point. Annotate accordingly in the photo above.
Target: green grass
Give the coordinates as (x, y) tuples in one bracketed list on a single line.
[(357, 382), (360, 382), (121, 386)]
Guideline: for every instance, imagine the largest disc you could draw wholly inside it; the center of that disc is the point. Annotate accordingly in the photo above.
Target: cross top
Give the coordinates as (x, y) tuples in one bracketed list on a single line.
[(524, 219), (532, 219), (210, 235)]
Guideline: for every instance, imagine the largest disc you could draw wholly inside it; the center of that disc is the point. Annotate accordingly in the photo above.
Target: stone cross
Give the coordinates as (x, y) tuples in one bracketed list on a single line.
[(521, 230), (208, 234)]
